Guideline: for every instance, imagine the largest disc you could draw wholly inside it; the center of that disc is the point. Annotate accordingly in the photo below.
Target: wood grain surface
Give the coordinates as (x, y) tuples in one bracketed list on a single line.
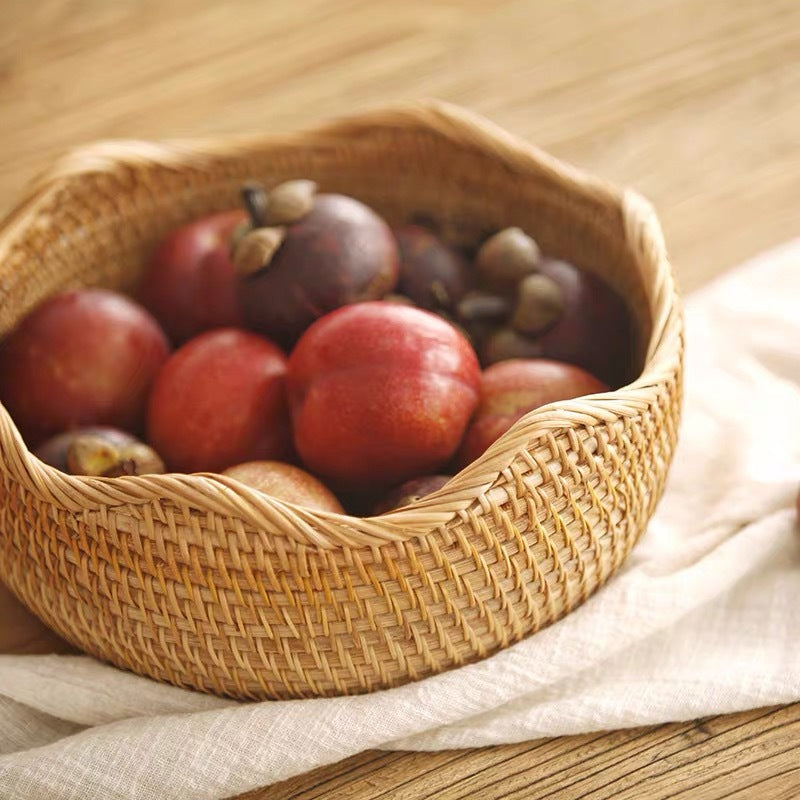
[(697, 104)]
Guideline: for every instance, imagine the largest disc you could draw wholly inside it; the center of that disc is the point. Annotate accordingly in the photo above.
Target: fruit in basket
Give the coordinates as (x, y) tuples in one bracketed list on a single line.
[(409, 492), (380, 393), (255, 248), (220, 400), (190, 284), (511, 389), (479, 313), (432, 274), (289, 202), (594, 330), (286, 482), (100, 451), (507, 257), (539, 304), (53, 451), (341, 252), (85, 357)]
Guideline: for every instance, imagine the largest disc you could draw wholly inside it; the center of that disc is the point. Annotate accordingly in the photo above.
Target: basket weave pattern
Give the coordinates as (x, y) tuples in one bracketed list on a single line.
[(202, 582)]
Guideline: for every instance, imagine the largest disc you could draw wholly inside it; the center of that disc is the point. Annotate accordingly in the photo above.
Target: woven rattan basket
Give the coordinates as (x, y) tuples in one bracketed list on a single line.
[(202, 582)]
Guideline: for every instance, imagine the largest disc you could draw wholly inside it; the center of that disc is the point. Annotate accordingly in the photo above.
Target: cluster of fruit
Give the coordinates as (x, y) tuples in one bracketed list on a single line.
[(382, 394)]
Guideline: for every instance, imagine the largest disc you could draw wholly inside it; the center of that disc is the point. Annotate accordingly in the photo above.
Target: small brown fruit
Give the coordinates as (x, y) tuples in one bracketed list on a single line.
[(54, 450), (594, 330), (95, 455), (432, 274), (255, 240), (290, 201), (540, 302), (255, 249), (101, 452), (507, 257)]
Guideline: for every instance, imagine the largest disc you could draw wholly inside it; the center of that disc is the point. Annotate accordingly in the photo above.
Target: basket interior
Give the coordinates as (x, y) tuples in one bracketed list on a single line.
[(189, 579), (98, 226)]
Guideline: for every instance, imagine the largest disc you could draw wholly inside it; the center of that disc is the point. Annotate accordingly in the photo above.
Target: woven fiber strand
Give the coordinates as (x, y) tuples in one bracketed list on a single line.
[(205, 583)]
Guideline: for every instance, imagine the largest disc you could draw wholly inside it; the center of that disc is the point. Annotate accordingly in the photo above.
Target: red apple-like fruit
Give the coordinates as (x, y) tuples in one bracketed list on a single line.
[(380, 393), (190, 284), (85, 357), (220, 400), (511, 389), (286, 482), (341, 252), (432, 274), (409, 492)]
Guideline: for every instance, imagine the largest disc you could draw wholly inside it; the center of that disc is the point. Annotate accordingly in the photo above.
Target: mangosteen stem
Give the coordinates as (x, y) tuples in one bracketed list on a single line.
[(254, 197)]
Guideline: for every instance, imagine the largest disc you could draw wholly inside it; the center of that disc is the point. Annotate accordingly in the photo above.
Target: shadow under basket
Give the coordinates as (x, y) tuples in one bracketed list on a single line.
[(202, 582)]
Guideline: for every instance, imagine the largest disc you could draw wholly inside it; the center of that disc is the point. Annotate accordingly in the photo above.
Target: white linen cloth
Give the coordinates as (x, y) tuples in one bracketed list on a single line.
[(703, 619)]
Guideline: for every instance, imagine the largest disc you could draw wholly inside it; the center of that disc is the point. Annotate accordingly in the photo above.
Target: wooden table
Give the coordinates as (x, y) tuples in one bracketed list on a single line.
[(695, 103)]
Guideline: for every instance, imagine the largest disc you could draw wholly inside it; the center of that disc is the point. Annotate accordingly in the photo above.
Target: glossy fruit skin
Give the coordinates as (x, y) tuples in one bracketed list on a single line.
[(432, 274), (409, 492), (380, 393), (190, 284), (511, 389), (220, 400), (594, 331), (286, 482), (54, 450), (341, 252), (85, 357)]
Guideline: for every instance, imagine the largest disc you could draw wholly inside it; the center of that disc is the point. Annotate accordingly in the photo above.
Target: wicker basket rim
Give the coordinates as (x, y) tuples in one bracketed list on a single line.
[(326, 529)]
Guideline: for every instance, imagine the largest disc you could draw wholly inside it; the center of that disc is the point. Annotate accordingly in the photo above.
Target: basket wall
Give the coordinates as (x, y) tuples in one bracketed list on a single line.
[(202, 582)]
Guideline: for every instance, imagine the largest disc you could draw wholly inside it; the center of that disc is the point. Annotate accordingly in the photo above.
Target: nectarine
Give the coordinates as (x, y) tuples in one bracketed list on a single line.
[(220, 400), (286, 482), (380, 393), (190, 284), (511, 389), (85, 357)]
